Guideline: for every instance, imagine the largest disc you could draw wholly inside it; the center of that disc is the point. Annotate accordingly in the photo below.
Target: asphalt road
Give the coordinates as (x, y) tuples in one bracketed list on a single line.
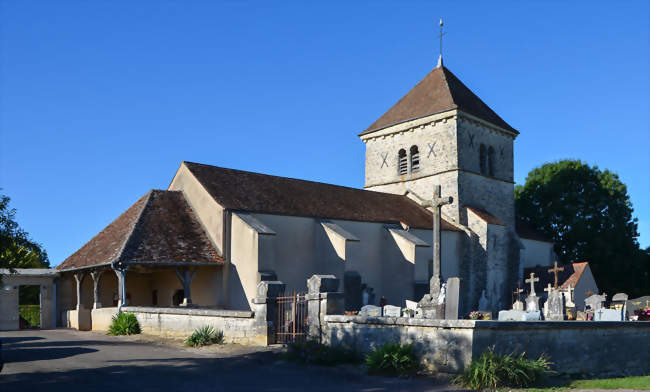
[(68, 360)]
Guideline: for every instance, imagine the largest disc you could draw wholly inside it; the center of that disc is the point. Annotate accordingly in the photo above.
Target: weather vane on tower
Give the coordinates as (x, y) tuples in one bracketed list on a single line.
[(440, 36)]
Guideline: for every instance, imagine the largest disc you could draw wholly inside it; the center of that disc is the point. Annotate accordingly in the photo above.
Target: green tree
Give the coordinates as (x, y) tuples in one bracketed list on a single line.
[(588, 214), (17, 250)]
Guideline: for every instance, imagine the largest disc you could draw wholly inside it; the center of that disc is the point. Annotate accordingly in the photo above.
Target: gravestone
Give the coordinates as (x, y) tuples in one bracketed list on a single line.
[(518, 305), (452, 305), (632, 305), (594, 302), (392, 311), (603, 314), (532, 303), (352, 290), (370, 311), (555, 306), (411, 309), (518, 315)]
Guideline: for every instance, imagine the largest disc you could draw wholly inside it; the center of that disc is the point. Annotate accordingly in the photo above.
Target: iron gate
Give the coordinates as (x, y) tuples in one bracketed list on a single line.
[(291, 320)]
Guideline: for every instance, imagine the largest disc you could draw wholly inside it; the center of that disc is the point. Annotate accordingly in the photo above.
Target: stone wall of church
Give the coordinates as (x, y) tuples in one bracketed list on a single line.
[(436, 144), (494, 196), (471, 135), (424, 187)]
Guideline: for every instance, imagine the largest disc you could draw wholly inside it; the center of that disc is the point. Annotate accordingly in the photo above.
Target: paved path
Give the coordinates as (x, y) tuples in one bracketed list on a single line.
[(67, 360)]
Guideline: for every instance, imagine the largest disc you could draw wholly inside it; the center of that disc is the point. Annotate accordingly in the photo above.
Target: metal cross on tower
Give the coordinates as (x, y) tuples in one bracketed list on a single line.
[(440, 36), (554, 271), (436, 203)]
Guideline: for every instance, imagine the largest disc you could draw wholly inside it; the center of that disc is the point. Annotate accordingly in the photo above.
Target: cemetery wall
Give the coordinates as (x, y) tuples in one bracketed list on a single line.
[(603, 348), (238, 326)]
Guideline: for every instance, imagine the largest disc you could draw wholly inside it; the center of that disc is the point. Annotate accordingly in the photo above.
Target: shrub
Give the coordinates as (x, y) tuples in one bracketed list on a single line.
[(491, 371), (31, 314), (315, 353), (392, 359), (124, 324), (204, 336)]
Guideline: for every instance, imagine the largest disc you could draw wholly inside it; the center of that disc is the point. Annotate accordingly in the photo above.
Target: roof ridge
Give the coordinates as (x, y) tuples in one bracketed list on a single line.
[(137, 219), (291, 178)]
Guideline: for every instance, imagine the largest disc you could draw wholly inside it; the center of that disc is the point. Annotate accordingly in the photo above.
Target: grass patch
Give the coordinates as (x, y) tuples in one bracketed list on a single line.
[(314, 353), (393, 359), (31, 314), (492, 371), (636, 383), (204, 336), (124, 324)]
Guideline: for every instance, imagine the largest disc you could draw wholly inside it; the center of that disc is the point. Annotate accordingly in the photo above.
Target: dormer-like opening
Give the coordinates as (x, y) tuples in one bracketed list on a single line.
[(415, 159)]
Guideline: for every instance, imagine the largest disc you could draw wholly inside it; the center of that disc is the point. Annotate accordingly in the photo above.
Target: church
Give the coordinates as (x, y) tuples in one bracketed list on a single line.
[(215, 233)]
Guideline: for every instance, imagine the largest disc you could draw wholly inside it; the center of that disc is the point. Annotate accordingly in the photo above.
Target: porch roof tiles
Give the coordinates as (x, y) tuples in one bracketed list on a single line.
[(159, 228)]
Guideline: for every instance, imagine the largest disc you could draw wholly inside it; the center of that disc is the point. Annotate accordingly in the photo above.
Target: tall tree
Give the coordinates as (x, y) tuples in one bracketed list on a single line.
[(588, 214), (17, 250)]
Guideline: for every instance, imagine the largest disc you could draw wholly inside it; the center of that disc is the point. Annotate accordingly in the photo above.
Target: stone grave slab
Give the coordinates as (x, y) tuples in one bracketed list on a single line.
[(608, 315), (519, 315), (555, 306), (637, 303), (532, 303), (392, 311), (370, 311), (594, 302)]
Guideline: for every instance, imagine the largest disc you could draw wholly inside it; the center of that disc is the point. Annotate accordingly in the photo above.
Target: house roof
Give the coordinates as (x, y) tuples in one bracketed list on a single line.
[(571, 275), (262, 193), (525, 230), (438, 92), (159, 228), (486, 216)]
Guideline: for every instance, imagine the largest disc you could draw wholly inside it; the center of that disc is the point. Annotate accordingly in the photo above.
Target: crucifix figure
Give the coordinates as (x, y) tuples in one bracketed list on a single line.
[(555, 270), (436, 203), (532, 281)]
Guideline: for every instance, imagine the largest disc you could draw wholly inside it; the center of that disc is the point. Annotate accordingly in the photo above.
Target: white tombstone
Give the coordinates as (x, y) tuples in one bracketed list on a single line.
[(603, 314), (370, 311), (392, 311)]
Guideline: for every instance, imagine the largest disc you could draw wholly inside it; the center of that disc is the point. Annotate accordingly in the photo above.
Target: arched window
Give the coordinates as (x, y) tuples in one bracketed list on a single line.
[(415, 159), (483, 158), (402, 162), (491, 160)]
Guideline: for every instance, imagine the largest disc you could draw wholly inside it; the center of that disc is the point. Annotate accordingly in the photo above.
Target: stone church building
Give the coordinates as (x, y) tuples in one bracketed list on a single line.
[(215, 233)]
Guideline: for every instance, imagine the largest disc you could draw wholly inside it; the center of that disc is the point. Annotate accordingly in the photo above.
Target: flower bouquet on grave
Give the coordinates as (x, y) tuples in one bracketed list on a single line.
[(476, 315), (643, 314)]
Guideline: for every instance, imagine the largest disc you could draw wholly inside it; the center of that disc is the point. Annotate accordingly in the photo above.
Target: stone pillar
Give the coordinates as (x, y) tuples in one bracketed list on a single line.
[(79, 278), (323, 298), (96, 275), (265, 307), (186, 275), (120, 270), (452, 299)]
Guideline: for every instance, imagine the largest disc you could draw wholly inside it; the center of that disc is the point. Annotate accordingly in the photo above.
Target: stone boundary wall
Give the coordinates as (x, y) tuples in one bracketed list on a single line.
[(77, 319), (237, 326), (575, 347)]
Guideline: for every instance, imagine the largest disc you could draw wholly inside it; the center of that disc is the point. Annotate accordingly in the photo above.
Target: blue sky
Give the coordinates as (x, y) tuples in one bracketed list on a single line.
[(101, 101)]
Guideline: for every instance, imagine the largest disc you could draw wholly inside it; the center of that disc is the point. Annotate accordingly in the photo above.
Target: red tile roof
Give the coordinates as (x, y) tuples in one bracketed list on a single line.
[(159, 227), (262, 193), (438, 92)]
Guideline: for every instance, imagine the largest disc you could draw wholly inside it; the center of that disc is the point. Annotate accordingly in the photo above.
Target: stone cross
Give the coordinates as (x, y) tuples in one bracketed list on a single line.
[(532, 281), (548, 288), (436, 203), (555, 270)]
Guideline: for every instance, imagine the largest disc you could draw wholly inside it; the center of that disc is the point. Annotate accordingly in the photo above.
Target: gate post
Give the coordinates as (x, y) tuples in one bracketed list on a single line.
[(265, 307), (323, 298)]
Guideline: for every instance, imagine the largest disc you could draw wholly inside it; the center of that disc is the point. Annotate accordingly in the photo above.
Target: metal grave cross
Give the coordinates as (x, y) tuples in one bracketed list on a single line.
[(518, 291), (555, 270), (436, 203), (532, 281)]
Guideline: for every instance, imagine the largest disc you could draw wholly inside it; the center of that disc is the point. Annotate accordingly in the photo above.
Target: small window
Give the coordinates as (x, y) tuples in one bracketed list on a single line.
[(491, 160), (483, 158), (402, 162), (415, 159)]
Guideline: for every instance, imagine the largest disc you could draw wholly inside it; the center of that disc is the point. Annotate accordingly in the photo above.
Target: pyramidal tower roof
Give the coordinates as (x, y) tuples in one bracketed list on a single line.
[(438, 92)]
